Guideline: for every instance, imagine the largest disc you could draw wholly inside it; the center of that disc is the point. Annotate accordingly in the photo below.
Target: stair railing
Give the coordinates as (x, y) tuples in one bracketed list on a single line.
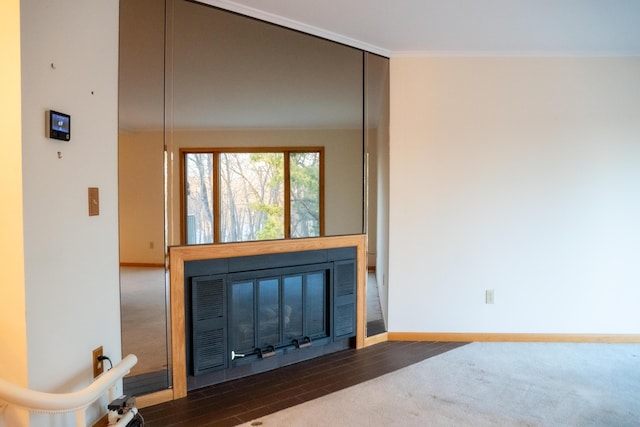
[(78, 402)]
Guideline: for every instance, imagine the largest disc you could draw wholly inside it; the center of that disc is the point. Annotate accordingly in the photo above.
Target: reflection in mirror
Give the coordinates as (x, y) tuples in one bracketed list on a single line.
[(236, 82), (141, 196), (203, 80), (377, 189)]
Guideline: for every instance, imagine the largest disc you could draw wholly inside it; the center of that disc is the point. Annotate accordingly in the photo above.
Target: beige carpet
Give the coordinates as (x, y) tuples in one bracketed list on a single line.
[(490, 384)]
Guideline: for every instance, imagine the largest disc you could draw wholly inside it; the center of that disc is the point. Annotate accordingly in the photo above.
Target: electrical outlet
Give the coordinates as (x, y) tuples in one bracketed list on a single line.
[(489, 297), (98, 365)]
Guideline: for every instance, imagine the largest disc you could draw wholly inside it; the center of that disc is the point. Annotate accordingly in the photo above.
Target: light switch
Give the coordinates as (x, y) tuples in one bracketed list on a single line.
[(94, 201)]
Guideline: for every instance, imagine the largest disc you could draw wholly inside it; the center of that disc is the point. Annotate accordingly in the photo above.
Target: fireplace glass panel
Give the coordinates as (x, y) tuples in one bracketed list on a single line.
[(292, 315), (315, 310), (243, 338), (269, 312)]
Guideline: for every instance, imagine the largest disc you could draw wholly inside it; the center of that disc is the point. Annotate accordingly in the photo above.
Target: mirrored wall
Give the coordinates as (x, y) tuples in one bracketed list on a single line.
[(208, 100), (141, 195), (376, 138)]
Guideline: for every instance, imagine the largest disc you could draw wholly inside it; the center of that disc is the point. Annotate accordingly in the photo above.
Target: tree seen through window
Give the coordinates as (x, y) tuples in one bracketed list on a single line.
[(244, 196)]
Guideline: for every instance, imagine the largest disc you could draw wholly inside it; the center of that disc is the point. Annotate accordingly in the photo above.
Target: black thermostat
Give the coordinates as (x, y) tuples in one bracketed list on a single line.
[(58, 125)]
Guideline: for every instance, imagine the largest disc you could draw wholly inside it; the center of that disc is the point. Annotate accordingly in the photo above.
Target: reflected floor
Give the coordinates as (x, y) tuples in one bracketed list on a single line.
[(375, 319), (144, 318)]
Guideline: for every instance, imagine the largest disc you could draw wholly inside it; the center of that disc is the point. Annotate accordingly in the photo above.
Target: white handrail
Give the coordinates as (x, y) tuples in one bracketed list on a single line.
[(66, 402)]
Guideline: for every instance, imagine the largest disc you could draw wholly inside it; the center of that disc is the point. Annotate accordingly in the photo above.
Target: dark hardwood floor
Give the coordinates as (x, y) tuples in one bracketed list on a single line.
[(246, 399)]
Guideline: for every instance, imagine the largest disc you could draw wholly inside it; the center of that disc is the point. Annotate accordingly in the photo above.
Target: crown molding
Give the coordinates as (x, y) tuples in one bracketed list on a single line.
[(507, 54), (295, 25)]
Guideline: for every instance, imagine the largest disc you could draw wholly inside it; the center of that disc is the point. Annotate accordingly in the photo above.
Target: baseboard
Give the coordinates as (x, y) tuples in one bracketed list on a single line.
[(497, 337), (102, 422), (376, 339), (142, 264), (151, 399)]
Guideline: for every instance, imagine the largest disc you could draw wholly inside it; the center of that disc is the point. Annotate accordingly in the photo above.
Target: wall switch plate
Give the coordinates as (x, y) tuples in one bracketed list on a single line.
[(489, 297), (98, 365), (94, 201)]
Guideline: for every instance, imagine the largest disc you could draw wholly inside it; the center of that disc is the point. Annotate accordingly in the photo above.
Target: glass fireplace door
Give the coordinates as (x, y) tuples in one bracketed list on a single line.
[(242, 317), (269, 314), (278, 310)]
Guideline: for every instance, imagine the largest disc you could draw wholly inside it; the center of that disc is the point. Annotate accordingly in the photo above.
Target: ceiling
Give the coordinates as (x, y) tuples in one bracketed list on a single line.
[(469, 27)]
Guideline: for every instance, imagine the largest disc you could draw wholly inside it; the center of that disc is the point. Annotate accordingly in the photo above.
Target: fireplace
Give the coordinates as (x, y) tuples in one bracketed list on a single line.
[(245, 315)]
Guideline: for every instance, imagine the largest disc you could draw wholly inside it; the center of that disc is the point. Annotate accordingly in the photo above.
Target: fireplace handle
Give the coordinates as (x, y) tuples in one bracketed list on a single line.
[(235, 355), (306, 342), (270, 351)]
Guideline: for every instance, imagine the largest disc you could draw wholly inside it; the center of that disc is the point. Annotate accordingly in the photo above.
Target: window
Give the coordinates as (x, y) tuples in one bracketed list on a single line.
[(234, 195)]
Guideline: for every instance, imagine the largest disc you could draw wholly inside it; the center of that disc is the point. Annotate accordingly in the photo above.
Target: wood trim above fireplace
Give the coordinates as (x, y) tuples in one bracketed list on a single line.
[(179, 254)]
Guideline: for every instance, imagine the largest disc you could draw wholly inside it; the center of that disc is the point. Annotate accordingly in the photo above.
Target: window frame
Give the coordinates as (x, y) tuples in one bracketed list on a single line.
[(215, 185)]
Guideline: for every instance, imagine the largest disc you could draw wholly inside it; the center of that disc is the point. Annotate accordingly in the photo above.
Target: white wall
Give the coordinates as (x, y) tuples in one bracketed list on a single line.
[(518, 175), (71, 259)]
